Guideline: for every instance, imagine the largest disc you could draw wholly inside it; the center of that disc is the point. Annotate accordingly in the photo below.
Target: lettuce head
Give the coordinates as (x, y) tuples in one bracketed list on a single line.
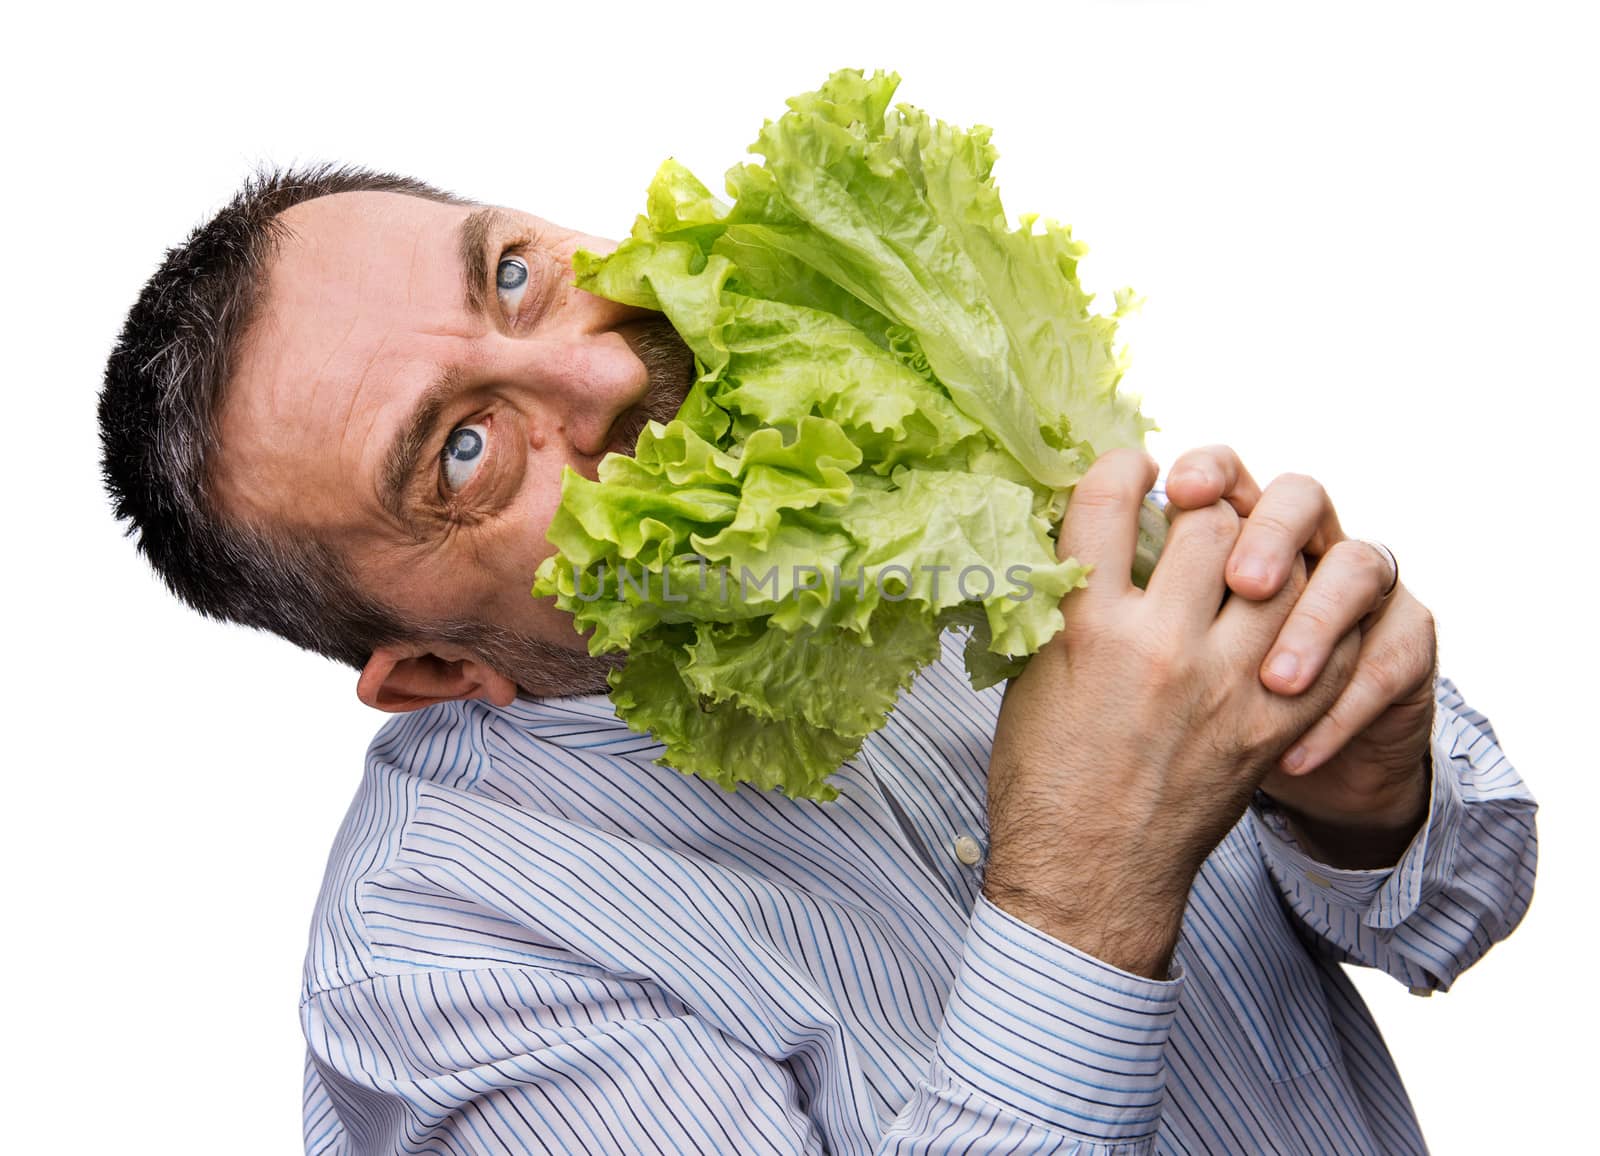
[(896, 392)]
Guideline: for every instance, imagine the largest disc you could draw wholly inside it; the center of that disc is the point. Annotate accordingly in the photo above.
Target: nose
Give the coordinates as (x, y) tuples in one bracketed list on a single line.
[(576, 373)]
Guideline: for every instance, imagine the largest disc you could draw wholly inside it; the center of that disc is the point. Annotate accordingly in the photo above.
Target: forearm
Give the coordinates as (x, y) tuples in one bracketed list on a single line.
[(1105, 868)]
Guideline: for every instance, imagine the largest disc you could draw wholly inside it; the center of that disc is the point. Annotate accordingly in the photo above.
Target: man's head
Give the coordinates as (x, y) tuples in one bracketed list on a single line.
[(340, 412)]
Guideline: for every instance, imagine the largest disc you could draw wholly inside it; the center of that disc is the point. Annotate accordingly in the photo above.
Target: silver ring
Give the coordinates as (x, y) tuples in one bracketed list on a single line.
[(1394, 566)]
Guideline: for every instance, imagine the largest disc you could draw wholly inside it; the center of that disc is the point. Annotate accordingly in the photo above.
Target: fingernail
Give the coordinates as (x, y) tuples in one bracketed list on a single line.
[(1284, 664), (1294, 757), (1251, 567)]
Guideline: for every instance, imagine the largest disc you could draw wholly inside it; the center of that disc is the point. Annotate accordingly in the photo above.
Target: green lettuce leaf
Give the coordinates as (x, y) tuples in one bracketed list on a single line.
[(896, 392)]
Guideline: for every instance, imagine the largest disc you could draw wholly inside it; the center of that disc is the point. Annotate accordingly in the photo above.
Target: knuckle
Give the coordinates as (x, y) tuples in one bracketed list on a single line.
[(1085, 633), (1217, 522), (1121, 461), (1142, 456), (1204, 456), (1166, 663), (1353, 556), (1159, 660), (1404, 664), (1097, 493), (1265, 521), (1348, 553), (1311, 626), (1082, 627), (1338, 714), (1114, 477), (1323, 610), (1162, 669), (1217, 452), (1303, 483), (1103, 632), (1364, 559), (1380, 677)]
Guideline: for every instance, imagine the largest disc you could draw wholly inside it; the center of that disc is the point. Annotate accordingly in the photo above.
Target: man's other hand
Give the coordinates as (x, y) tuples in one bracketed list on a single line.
[(1355, 785)]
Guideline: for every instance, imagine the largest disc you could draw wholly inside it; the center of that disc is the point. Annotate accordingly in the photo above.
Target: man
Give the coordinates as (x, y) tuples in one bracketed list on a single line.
[(1103, 912)]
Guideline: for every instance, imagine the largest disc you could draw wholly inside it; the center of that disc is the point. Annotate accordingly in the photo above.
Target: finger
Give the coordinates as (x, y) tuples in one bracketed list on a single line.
[(1391, 667), (1101, 524), (1293, 515), (1202, 476), (1188, 580), (1344, 589), (1249, 629)]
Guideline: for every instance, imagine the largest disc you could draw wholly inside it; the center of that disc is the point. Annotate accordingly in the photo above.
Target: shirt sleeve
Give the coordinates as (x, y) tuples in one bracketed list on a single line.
[(1461, 886), (1042, 1045), (1042, 1048)]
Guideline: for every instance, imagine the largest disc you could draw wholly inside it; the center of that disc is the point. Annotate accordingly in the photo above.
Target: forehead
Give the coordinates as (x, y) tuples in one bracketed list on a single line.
[(337, 245), (363, 303), (350, 267)]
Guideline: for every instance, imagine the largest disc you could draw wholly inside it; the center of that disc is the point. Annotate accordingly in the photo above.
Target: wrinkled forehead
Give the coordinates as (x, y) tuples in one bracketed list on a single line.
[(354, 265), (363, 294)]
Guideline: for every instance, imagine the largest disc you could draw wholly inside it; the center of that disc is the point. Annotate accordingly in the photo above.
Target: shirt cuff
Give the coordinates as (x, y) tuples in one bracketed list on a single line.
[(1386, 896), (1056, 1035)]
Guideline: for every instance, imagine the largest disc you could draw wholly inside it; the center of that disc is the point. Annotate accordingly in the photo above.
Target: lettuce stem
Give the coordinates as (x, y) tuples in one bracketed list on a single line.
[(1152, 536)]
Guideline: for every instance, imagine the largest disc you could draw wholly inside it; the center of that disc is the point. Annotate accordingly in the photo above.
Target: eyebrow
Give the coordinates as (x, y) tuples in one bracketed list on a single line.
[(411, 443), (407, 448), (473, 246)]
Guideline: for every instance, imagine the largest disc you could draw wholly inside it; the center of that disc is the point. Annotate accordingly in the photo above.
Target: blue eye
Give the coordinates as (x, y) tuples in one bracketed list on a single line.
[(510, 283), (512, 274), (463, 453)]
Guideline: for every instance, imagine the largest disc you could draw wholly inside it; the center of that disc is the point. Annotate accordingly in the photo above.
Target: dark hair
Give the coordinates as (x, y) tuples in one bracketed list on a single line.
[(163, 390)]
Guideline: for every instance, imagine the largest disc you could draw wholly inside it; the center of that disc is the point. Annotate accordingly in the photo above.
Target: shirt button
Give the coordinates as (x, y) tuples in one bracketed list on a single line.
[(1422, 991), (1317, 879), (967, 850)]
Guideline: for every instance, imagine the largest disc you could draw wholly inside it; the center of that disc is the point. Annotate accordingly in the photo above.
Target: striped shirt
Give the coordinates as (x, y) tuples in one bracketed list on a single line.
[(531, 938)]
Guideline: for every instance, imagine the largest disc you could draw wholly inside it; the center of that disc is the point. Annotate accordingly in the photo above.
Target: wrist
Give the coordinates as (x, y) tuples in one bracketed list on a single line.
[(1123, 924), (1368, 837)]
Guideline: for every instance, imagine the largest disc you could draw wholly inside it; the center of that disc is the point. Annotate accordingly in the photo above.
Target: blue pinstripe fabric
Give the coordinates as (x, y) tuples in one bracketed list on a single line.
[(532, 939)]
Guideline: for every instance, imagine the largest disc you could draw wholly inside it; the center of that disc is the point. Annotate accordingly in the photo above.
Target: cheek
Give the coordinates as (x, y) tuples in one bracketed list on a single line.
[(516, 534), (542, 495), (518, 546)]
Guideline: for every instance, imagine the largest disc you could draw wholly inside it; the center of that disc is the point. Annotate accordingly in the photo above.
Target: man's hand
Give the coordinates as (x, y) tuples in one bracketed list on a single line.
[(1359, 789), (1135, 739)]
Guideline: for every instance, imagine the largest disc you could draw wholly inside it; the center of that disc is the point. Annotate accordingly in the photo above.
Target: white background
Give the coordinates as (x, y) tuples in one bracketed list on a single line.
[(1367, 238)]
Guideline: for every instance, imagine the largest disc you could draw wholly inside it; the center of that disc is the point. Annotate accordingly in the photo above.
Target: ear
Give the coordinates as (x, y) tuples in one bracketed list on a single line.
[(402, 678)]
